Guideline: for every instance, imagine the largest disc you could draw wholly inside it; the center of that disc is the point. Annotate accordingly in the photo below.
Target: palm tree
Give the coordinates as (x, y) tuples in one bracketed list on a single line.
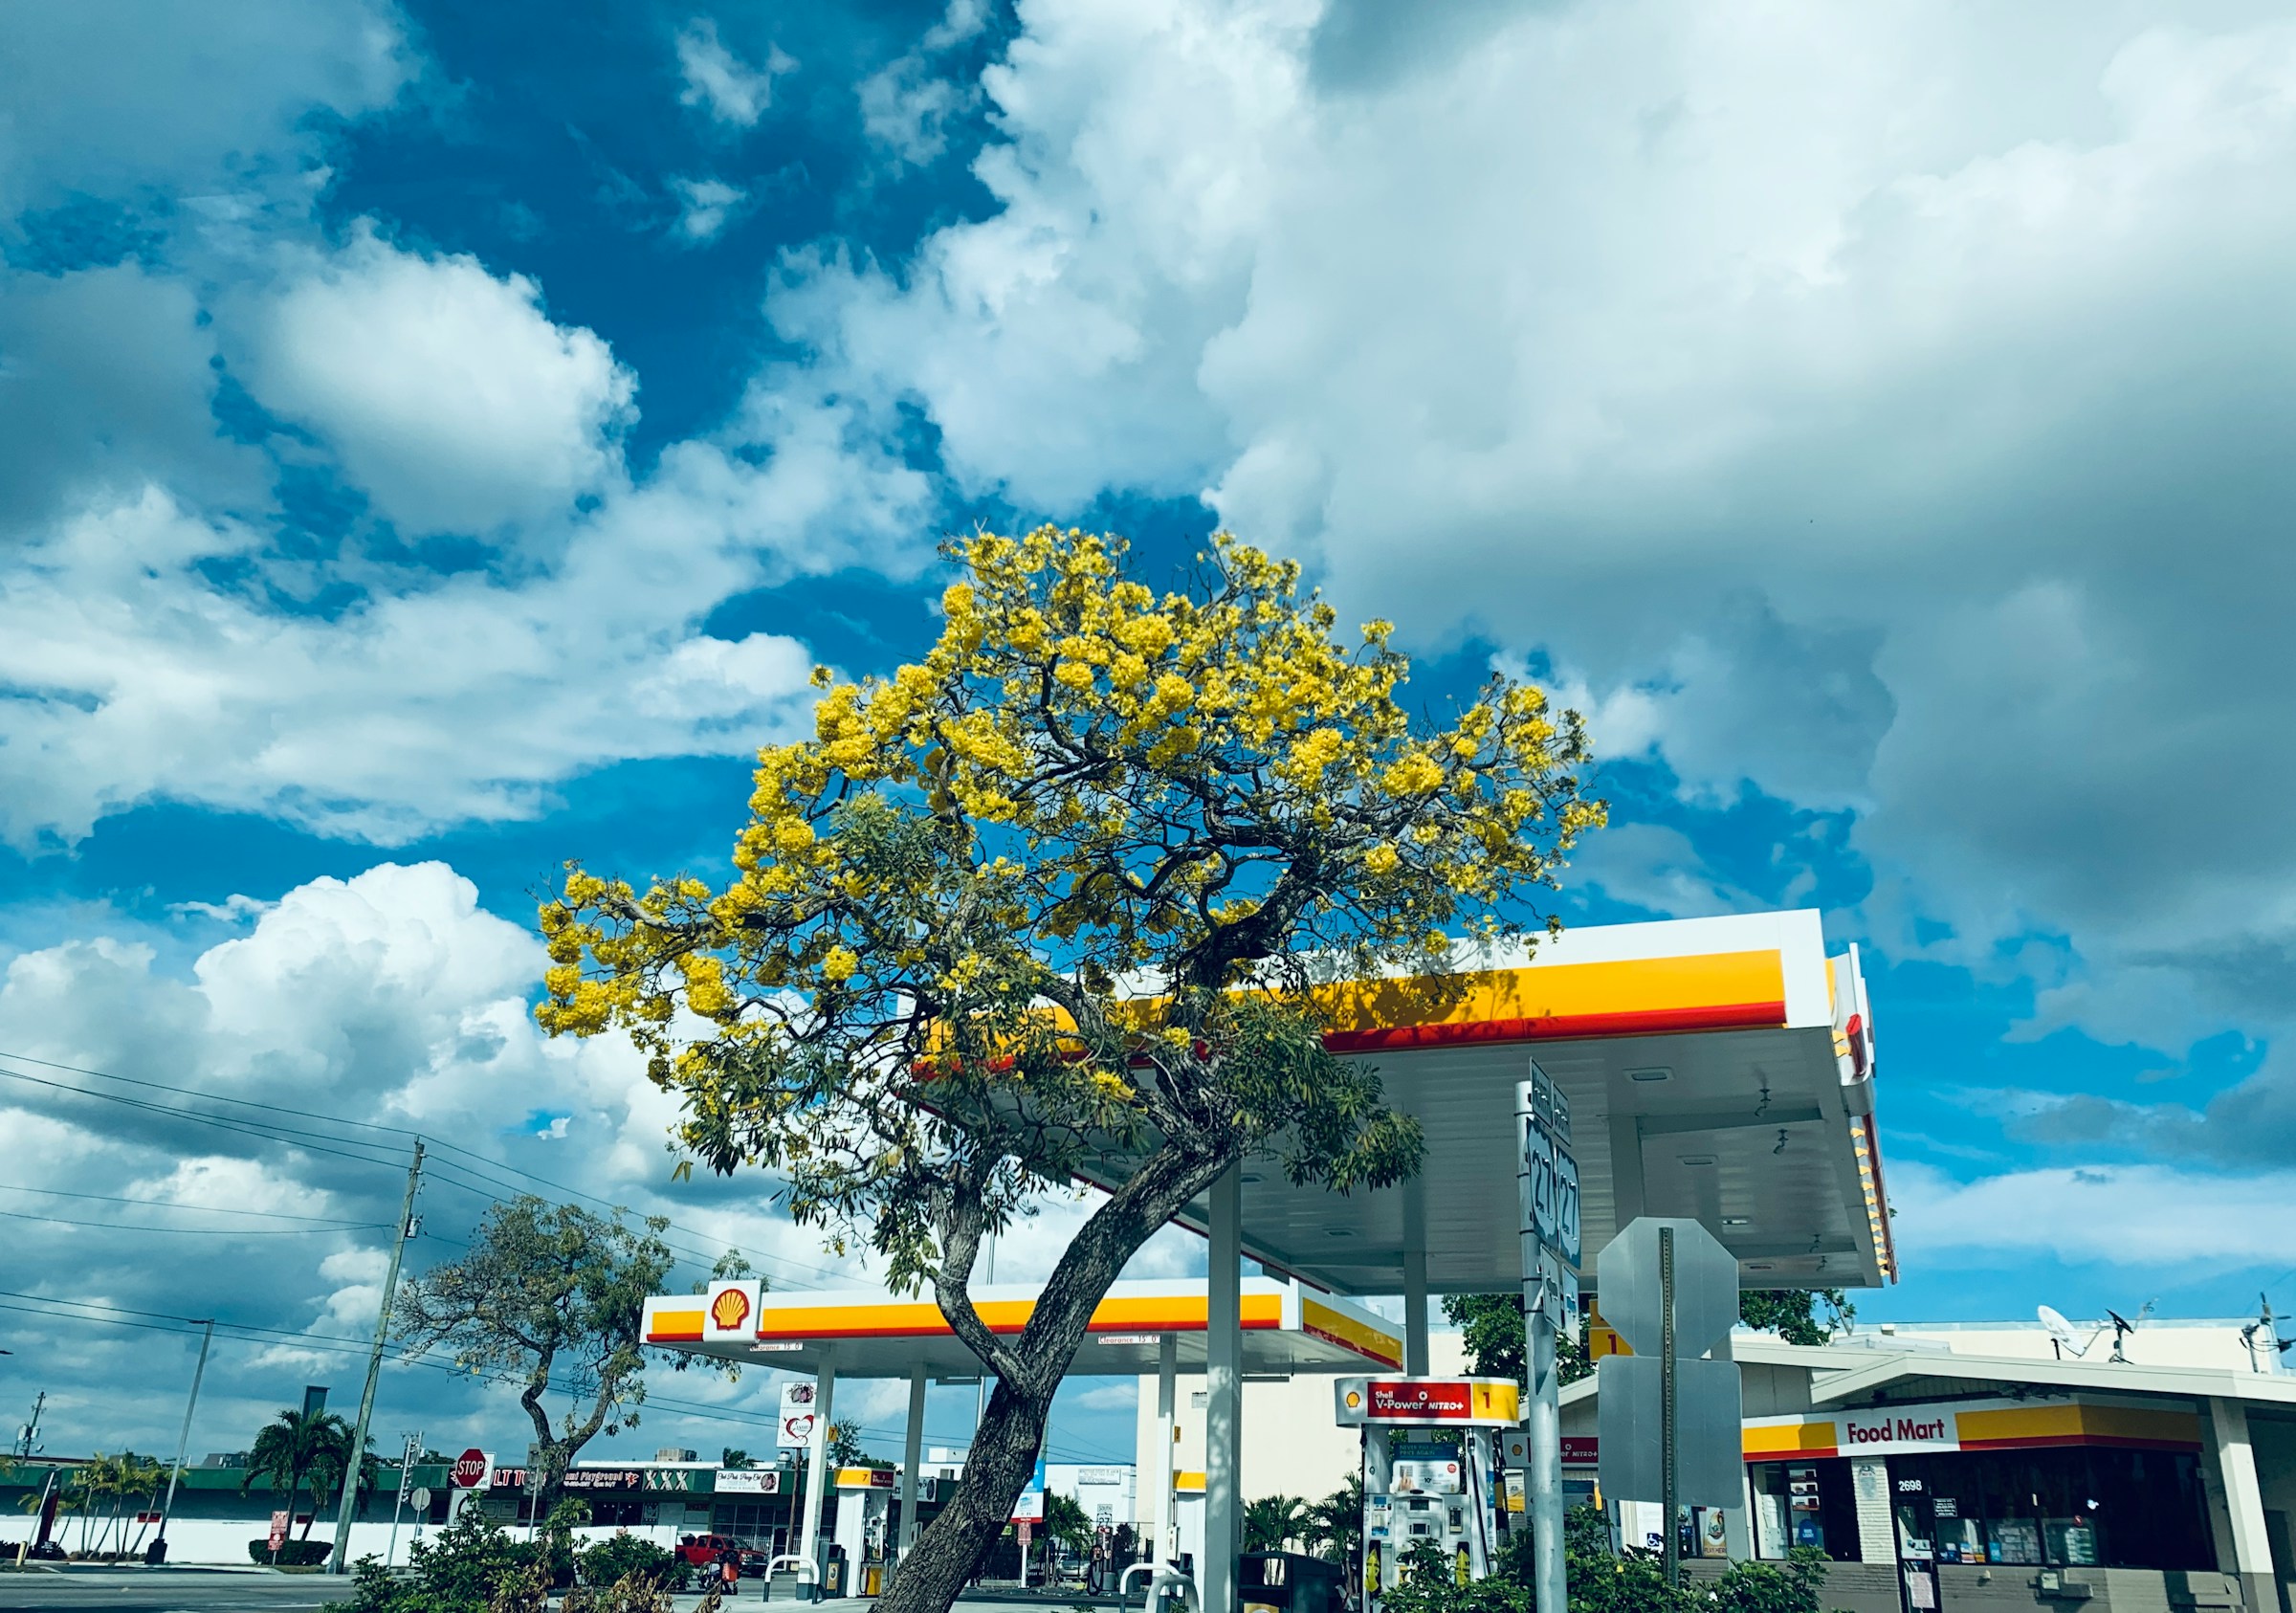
[(1272, 1520), (1335, 1530), (286, 1450)]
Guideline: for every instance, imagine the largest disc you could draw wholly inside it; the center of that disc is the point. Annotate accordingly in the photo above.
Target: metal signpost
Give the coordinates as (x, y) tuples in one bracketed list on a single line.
[(407, 1459), (1547, 1186), (1669, 1419)]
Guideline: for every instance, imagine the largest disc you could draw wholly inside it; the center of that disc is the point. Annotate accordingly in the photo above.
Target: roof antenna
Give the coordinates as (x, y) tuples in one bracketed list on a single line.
[(2123, 1327), (2261, 1332), (2062, 1334)]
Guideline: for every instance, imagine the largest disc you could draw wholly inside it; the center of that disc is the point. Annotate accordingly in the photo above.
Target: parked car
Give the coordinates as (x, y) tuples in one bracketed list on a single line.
[(753, 1563), (703, 1550)]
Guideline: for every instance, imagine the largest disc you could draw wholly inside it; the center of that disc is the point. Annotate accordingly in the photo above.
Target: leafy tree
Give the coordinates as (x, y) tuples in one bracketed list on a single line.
[(1795, 1314), (286, 1452), (912, 993), (734, 1456), (841, 1449), (1272, 1521), (549, 1294), (1491, 1328)]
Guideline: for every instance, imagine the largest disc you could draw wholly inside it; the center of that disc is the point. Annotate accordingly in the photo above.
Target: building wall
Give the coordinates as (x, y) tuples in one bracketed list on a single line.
[(1292, 1442)]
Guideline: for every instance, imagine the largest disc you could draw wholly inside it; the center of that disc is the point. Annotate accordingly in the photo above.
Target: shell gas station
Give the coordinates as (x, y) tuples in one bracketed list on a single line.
[(1717, 1070)]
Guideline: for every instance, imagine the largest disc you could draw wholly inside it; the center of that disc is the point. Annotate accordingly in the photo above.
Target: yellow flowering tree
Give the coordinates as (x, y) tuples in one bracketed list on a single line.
[(1048, 904)]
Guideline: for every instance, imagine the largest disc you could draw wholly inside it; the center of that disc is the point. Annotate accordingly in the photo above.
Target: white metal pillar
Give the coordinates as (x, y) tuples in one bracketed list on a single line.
[(912, 1453), (1415, 1280), (1737, 1522), (2243, 1496), (1224, 1400), (1160, 1469), (824, 1392)]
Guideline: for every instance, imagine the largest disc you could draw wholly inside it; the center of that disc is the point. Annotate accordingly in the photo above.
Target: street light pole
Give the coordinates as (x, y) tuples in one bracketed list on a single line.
[(183, 1441), (354, 1462)]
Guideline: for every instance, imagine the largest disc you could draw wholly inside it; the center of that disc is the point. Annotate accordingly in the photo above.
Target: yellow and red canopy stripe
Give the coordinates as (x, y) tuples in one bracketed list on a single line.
[(1548, 1001), (917, 1318)]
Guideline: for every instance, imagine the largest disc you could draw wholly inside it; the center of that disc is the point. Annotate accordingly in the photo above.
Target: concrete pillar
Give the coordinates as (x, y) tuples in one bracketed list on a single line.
[(817, 1479), (1877, 1523), (1415, 1280), (1737, 1522), (913, 1451), (1224, 1400), (1157, 1471), (2244, 1503)]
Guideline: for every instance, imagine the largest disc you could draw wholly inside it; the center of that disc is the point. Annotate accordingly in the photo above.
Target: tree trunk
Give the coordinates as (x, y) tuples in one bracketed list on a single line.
[(1028, 1370)]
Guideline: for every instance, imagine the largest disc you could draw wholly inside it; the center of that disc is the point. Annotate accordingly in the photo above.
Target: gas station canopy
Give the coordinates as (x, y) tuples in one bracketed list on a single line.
[(1719, 1068), (869, 1333)]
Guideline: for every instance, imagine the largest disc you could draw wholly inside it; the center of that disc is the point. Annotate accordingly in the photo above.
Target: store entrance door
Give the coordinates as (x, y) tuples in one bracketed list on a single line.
[(1917, 1545)]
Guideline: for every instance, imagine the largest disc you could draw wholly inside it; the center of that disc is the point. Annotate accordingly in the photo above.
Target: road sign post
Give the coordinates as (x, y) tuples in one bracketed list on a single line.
[(1668, 1419), (408, 1453), (1548, 1187)]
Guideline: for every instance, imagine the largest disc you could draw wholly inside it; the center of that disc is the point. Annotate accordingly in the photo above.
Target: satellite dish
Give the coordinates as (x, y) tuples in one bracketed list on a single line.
[(2061, 1334)]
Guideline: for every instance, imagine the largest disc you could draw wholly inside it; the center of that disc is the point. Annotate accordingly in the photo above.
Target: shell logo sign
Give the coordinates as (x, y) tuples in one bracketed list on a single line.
[(730, 1310)]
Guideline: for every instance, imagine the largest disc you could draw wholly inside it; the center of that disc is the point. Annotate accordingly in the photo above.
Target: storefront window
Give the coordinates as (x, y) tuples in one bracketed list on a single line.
[(1804, 1504), (2074, 1507)]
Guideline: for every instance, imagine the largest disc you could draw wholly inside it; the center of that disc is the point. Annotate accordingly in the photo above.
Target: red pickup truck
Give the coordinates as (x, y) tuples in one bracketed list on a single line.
[(702, 1550)]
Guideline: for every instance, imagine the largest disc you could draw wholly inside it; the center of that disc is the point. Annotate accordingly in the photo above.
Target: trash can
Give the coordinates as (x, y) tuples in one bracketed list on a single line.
[(833, 1574), (1287, 1582)]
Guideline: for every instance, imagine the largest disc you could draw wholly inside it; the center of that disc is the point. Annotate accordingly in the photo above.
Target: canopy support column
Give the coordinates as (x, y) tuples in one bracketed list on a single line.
[(825, 1391), (912, 1453), (2243, 1501), (1159, 1469), (1415, 1280), (1223, 1399), (1737, 1522)]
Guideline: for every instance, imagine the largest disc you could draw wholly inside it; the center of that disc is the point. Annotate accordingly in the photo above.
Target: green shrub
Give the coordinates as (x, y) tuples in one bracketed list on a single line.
[(621, 1556), (1604, 1582), (293, 1554), (459, 1570)]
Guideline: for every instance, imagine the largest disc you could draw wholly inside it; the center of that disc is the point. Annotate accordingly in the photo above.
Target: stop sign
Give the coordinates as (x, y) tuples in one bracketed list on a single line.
[(469, 1469)]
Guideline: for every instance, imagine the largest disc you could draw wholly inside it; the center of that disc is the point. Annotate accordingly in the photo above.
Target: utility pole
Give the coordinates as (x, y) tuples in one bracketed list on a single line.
[(29, 1441), (354, 1463), (183, 1441)]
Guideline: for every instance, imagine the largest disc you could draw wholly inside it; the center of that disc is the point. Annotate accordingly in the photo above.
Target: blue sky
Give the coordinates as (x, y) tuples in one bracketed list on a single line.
[(435, 442)]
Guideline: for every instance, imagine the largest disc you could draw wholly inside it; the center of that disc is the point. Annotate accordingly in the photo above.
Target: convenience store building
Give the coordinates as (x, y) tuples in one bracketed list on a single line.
[(2006, 1483)]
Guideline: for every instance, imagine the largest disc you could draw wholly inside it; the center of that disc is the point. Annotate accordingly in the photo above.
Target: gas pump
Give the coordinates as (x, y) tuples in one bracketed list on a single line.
[(1434, 1466)]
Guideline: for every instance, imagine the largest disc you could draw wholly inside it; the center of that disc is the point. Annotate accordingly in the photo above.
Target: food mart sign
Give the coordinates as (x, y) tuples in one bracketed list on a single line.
[(2000, 1425)]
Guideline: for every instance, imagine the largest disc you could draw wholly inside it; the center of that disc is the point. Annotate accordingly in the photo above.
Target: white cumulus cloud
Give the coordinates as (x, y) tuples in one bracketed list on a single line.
[(446, 391)]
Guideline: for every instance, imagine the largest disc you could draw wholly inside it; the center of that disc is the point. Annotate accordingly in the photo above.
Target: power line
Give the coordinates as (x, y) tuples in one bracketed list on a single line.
[(177, 1203), (160, 1322), (200, 1232), (271, 1132)]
